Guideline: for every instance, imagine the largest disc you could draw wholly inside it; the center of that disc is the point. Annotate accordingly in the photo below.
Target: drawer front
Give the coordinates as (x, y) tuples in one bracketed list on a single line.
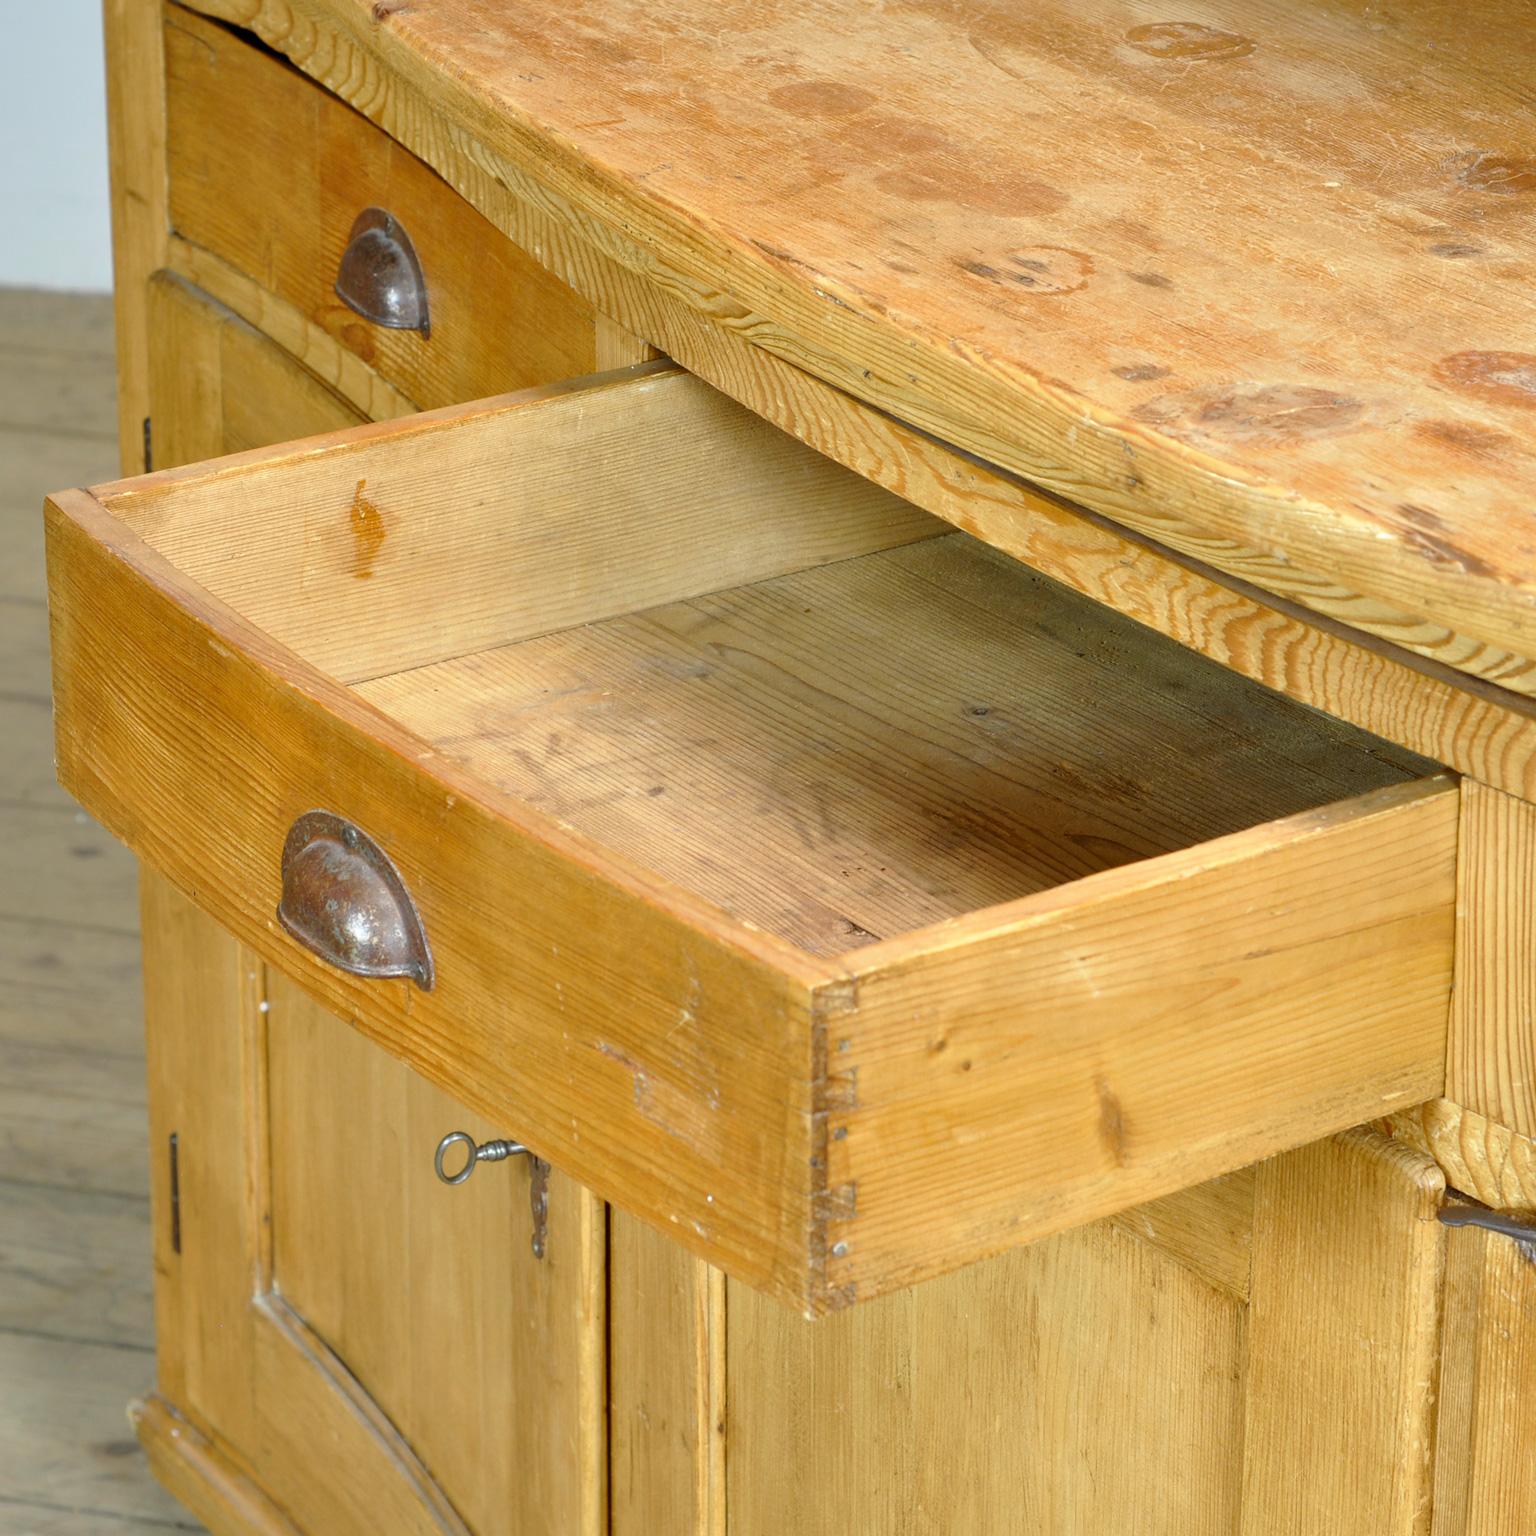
[(269, 173), (839, 897)]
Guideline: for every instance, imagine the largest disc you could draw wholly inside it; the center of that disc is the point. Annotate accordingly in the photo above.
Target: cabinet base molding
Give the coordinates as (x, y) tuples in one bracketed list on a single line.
[(196, 1471)]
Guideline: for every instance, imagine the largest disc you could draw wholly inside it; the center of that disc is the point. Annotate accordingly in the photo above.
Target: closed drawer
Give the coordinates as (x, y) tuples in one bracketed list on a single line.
[(269, 173), (810, 880)]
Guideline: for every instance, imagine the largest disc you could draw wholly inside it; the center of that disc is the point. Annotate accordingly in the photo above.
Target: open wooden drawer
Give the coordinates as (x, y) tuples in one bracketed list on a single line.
[(808, 879)]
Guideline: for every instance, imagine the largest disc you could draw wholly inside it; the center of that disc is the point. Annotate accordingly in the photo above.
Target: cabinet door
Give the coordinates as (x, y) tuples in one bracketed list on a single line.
[(1252, 1357), (345, 1344)]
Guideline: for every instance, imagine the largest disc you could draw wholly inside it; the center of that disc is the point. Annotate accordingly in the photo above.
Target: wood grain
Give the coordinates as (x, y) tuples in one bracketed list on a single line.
[(1344, 1340), (1207, 1228), (1478, 1156), (305, 342), (72, 1118), (136, 143), (567, 505), (202, 1476), (268, 174), (1485, 1474), (1155, 1046), (1084, 1384), (234, 1355), (728, 1116), (667, 1380), (1343, 667), (62, 1430), (893, 741), (216, 385), (1286, 396), (1491, 1053), (609, 1083), (75, 1264), (481, 1354)]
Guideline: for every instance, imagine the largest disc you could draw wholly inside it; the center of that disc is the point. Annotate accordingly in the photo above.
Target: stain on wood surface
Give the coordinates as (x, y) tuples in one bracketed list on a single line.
[(1321, 215)]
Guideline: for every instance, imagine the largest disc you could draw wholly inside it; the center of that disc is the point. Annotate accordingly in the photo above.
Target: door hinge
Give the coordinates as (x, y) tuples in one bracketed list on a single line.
[(175, 1182), (149, 446), (1523, 1231)]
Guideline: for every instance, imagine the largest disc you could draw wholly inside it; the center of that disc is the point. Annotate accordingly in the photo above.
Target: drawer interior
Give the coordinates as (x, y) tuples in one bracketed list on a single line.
[(861, 749), (726, 660)]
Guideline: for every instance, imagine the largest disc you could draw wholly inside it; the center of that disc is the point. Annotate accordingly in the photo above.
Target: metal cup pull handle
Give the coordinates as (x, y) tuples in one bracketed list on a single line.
[(345, 902), (484, 1152), (380, 275)]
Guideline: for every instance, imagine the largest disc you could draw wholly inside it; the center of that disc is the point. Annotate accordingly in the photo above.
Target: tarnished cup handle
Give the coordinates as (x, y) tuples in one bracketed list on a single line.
[(380, 276), (345, 902)]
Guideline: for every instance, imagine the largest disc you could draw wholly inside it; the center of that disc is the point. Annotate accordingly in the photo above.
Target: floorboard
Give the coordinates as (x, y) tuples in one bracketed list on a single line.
[(76, 1322)]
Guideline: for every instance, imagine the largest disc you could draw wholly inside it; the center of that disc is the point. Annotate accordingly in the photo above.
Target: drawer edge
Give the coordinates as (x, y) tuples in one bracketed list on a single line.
[(1056, 1061)]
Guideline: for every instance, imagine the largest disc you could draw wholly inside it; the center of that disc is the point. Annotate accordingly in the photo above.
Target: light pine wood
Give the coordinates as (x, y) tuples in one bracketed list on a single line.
[(1479, 1156), (893, 740), (1485, 1475), (1068, 1024), (292, 1388), (268, 174), (136, 142), (1394, 858), (1255, 439), (1343, 1340), (485, 1358), (1084, 1384), (610, 1083), (1491, 1055), (233, 1354), (1207, 1228), (217, 385), (1342, 667), (567, 505), (308, 344), (666, 1407), (202, 1476), (703, 1092)]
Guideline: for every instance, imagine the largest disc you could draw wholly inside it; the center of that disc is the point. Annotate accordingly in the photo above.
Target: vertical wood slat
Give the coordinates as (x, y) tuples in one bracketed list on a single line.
[(1343, 1340), (1491, 1056), (136, 118), (666, 1410), (1486, 1467)]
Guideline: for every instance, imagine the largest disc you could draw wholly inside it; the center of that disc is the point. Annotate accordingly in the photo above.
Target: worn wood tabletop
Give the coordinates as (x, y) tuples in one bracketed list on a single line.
[(1254, 276)]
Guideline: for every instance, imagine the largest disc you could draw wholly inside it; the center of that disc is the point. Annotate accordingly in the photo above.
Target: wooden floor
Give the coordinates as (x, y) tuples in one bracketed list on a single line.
[(75, 1315)]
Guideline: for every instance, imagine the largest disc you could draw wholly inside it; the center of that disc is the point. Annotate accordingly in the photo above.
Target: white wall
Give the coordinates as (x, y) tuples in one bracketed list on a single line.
[(55, 230)]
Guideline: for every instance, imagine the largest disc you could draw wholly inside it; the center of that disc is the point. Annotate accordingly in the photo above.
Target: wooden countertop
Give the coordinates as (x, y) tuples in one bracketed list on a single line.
[(1261, 284)]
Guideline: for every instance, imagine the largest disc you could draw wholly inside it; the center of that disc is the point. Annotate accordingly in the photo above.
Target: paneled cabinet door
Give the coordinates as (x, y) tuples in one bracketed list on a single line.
[(1253, 1357), (346, 1346)]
